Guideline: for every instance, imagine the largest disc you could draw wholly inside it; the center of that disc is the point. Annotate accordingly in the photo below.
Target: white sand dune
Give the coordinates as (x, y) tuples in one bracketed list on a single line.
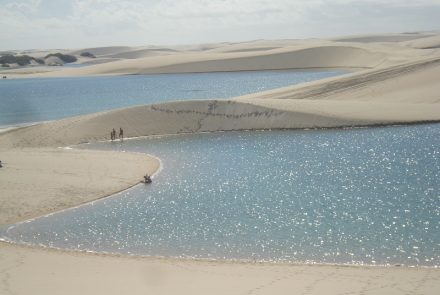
[(141, 53), (247, 49), (246, 56), (218, 115), (399, 84), (432, 42), (98, 51), (384, 38), (278, 59), (166, 118), (413, 82)]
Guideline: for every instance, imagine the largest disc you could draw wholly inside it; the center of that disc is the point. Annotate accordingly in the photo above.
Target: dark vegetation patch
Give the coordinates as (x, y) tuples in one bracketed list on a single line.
[(87, 54), (21, 60), (64, 57)]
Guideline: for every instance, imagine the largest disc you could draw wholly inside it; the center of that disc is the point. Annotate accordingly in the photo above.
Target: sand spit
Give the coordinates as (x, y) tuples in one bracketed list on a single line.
[(217, 115), (34, 182), (166, 118)]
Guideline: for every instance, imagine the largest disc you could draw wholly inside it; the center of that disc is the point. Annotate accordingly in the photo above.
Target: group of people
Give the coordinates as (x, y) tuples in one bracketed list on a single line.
[(113, 134)]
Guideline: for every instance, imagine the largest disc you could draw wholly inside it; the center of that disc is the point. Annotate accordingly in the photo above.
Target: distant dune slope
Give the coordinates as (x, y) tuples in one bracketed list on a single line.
[(98, 51), (141, 53), (432, 42), (414, 82), (383, 38), (315, 57)]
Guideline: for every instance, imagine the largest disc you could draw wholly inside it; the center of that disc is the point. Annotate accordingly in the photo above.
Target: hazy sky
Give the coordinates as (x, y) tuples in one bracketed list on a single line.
[(27, 24)]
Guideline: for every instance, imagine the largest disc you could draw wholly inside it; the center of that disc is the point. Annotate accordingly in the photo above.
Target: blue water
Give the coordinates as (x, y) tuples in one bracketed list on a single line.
[(34, 100), (357, 196)]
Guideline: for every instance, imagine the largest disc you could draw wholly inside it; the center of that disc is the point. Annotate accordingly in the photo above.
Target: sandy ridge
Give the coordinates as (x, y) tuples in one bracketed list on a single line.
[(172, 118), (326, 55), (332, 86)]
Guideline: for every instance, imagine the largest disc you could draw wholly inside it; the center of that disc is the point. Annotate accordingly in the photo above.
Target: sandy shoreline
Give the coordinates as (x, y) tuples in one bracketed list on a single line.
[(399, 86), (70, 273)]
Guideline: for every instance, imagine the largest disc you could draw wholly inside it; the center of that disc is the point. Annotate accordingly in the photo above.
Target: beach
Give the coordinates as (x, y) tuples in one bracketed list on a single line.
[(392, 82)]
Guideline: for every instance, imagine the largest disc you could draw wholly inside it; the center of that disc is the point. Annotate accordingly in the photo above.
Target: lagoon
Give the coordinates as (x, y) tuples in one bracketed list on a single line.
[(357, 196), (33, 100)]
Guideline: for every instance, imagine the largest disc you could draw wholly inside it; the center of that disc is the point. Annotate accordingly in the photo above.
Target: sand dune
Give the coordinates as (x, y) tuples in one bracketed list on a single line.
[(353, 52), (432, 42), (140, 53), (384, 38), (98, 51), (223, 115), (248, 49), (414, 82), (314, 57)]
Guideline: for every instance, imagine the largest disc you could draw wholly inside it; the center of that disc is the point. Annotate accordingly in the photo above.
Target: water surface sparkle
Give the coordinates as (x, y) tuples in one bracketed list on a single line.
[(359, 196)]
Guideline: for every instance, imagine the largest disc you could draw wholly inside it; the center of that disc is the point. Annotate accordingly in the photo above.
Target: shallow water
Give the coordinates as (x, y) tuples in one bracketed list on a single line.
[(358, 196), (33, 100)]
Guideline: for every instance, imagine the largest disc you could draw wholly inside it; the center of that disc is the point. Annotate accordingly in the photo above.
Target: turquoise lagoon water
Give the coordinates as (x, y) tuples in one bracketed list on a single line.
[(34, 100), (356, 196)]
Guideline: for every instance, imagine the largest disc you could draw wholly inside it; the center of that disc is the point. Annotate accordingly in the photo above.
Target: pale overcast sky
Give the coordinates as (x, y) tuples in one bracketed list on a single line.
[(27, 24)]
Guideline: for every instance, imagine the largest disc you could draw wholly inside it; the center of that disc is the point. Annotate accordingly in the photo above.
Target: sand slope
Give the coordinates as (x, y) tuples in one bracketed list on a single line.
[(413, 82), (214, 115), (432, 42)]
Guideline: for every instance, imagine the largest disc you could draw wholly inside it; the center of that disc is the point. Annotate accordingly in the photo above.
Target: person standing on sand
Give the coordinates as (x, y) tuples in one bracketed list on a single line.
[(121, 134), (113, 134)]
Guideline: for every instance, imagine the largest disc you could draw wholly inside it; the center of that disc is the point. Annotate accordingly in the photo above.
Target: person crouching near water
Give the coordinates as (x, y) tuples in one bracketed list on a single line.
[(147, 178)]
